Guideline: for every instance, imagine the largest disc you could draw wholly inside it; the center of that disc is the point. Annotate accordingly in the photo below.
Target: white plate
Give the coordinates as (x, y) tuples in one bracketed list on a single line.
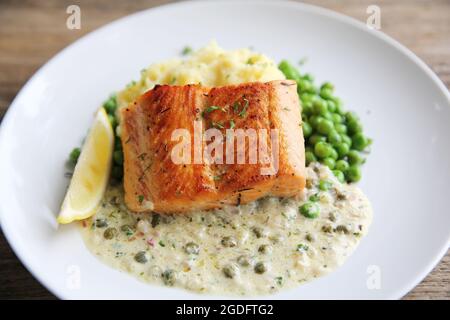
[(403, 105)]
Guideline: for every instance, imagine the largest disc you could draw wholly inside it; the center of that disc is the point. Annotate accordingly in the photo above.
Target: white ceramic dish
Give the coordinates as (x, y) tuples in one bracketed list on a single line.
[(403, 105)]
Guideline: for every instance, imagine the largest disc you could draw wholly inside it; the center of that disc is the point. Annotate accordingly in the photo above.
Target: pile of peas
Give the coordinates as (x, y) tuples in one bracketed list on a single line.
[(110, 107), (332, 136)]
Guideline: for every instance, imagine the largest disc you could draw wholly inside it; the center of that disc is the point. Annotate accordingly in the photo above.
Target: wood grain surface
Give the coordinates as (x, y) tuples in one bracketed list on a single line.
[(32, 31)]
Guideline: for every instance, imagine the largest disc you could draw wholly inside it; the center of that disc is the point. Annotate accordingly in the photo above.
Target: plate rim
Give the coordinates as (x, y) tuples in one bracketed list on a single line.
[(342, 18)]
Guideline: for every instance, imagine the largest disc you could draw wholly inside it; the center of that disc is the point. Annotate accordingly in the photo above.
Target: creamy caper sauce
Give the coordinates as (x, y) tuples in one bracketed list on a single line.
[(257, 248)]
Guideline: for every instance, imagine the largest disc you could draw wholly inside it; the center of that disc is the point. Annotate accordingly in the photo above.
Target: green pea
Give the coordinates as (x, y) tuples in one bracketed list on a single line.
[(320, 107), (112, 120), (117, 143), (117, 172), (310, 210), (307, 129), (346, 139), (325, 126), (339, 108), (315, 138), (337, 118), (331, 106), (74, 155), (339, 175), (324, 185), (328, 116), (354, 158), (304, 85), (342, 149), (110, 105), (326, 93), (306, 97), (118, 157), (315, 120), (310, 157), (329, 162), (334, 154), (353, 173), (309, 77), (359, 141), (339, 127), (289, 71), (322, 149), (342, 165), (327, 85), (307, 108), (351, 116), (354, 126), (334, 137)]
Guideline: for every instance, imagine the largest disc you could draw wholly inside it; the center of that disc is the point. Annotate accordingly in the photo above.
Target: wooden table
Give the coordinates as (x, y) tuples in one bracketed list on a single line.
[(32, 31)]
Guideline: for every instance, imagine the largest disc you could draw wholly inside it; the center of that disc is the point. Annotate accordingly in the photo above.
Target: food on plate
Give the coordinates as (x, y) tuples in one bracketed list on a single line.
[(153, 181), (287, 231), (332, 136), (91, 175)]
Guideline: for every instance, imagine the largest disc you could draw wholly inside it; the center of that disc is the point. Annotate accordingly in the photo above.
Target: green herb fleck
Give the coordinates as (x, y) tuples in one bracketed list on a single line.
[(244, 109), (232, 124), (140, 198), (217, 125), (186, 50), (161, 243), (302, 247), (209, 110)]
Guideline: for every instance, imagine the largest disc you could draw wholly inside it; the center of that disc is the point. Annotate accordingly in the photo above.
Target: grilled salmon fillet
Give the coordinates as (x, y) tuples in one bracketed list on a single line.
[(153, 181)]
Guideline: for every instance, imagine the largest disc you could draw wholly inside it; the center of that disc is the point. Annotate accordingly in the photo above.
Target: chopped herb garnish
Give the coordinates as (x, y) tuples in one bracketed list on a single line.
[(210, 109), (302, 247), (244, 109), (217, 125), (279, 281), (217, 178), (186, 50), (140, 198), (173, 80), (161, 243), (232, 124), (250, 61)]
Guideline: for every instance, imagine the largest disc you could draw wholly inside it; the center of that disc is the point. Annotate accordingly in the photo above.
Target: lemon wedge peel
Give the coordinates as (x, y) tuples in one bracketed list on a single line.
[(91, 173)]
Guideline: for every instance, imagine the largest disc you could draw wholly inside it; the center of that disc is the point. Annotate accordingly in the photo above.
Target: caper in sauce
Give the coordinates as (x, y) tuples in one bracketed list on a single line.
[(229, 242), (101, 223), (260, 267), (141, 257), (110, 233), (265, 249), (244, 260), (230, 271), (169, 277)]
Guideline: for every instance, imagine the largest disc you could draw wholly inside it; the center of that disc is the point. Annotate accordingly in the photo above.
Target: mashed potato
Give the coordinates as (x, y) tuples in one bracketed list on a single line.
[(210, 66)]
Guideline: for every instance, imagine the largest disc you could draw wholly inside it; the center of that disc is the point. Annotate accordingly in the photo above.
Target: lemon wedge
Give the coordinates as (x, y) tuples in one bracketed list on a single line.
[(91, 173)]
